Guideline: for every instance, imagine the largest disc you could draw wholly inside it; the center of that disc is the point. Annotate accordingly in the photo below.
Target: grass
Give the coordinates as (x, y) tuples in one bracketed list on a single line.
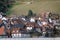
[(36, 7), (12, 5), (8, 12)]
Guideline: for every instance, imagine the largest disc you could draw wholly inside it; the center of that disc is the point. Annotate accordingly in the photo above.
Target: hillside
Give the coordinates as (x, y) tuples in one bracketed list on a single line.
[(21, 8)]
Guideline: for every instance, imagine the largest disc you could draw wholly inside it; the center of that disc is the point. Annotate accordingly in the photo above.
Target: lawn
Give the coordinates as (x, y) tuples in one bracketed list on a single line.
[(36, 6)]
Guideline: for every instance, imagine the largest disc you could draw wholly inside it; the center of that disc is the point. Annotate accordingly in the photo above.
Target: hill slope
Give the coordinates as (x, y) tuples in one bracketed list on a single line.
[(37, 7)]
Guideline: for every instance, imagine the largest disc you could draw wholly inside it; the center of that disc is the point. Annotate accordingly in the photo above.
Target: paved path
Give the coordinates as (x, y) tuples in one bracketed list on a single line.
[(30, 39)]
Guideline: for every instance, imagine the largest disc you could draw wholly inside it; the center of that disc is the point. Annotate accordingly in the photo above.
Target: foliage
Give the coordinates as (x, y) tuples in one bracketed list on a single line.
[(5, 5), (30, 13), (56, 16)]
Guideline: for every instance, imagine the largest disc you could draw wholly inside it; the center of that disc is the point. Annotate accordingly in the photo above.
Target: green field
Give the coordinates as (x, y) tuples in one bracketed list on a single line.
[(37, 7)]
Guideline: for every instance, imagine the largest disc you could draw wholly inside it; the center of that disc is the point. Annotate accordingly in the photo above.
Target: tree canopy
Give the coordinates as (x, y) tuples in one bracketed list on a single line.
[(4, 5)]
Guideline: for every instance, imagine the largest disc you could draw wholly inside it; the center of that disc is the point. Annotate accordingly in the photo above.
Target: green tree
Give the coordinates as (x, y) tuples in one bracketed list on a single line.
[(4, 5), (30, 13)]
